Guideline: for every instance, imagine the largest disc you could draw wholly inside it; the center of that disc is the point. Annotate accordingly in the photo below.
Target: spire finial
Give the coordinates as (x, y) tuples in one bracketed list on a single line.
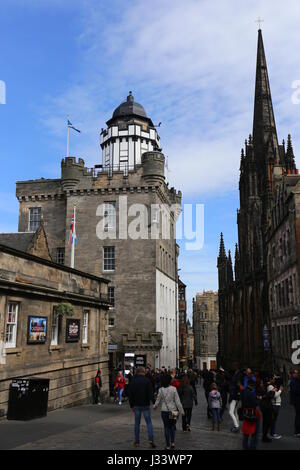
[(130, 97), (259, 21)]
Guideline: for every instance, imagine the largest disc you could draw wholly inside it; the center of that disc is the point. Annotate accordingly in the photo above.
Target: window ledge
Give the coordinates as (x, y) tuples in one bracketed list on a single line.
[(13, 351), (85, 346), (56, 347)]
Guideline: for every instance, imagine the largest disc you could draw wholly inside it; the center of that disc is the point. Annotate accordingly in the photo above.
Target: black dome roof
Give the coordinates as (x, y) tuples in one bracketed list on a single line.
[(129, 107)]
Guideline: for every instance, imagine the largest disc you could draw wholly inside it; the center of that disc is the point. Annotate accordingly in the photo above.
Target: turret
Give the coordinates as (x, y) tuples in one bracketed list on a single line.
[(71, 172), (153, 164)]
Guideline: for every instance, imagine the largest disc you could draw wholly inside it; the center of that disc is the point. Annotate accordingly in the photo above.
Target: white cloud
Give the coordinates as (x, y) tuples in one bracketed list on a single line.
[(192, 65)]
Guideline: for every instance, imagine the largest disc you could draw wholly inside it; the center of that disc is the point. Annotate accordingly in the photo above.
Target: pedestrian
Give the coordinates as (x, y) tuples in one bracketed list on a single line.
[(295, 399), (170, 408), (187, 397), (276, 405), (221, 381), (215, 404), (265, 405), (207, 381), (251, 416), (140, 394), (97, 388), (175, 382), (234, 397), (120, 386)]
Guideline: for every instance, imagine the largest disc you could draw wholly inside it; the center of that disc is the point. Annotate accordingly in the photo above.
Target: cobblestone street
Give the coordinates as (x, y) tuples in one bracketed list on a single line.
[(111, 427)]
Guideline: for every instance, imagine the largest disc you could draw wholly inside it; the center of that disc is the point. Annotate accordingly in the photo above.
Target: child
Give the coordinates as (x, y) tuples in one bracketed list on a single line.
[(215, 404)]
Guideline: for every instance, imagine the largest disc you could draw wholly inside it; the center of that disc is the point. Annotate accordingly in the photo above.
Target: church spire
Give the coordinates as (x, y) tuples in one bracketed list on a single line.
[(289, 157), (222, 252), (264, 126)]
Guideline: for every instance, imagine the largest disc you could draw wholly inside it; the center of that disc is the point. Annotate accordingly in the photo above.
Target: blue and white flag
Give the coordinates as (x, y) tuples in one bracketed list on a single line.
[(70, 126)]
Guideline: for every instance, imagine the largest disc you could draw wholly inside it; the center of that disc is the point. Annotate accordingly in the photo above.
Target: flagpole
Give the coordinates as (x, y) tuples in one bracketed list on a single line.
[(67, 138), (73, 240)]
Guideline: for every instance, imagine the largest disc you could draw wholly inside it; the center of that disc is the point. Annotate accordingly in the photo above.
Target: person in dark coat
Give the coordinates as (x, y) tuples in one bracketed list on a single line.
[(251, 416), (266, 409), (187, 397), (295, 399), (223, 388), (140, 394)]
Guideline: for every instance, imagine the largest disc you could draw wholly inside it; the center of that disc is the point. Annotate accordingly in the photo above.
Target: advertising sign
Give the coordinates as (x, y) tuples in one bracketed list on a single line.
[(37, 330), (72, 330), (140, 360)]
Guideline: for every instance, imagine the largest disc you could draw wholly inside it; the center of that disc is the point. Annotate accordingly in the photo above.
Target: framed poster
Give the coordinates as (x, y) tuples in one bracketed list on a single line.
[(37, 330), (140, 360), (72, 330)]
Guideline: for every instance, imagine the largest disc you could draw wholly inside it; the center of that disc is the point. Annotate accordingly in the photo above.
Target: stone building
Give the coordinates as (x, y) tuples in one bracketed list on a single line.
[(267, 170), (125, 225), (283, 245), (182, 323), (37, 341), (205, 325)]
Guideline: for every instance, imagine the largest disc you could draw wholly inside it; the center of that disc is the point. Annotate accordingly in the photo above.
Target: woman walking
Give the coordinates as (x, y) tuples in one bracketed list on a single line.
[(234, 397), (215, 404), (170, 406), (187, 397), (120, 385)]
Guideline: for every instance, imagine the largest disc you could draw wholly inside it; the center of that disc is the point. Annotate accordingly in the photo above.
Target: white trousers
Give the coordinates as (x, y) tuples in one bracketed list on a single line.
[(233, 413)]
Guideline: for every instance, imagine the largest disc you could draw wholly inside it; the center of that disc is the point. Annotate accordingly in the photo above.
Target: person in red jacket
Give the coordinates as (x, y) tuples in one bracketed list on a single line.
[(175, 382), (120, 385)]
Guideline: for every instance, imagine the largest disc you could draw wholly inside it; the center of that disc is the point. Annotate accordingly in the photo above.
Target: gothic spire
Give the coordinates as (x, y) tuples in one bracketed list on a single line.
[(229, 268), (289, 156), (264, 125), (222, 252)]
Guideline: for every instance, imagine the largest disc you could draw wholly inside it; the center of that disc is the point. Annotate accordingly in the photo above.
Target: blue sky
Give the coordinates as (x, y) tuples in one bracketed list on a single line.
[(192, 66)]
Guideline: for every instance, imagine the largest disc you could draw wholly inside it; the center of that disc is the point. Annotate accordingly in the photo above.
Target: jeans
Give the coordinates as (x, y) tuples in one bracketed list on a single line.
[(276, 410), (186, 419), (267, 421), (170, 428), (233, 413), (138, 411), (120, 393), (216, 415), (253, 441)]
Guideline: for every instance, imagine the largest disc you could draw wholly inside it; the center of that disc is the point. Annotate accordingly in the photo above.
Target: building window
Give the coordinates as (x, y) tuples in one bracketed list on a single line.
[(111, 295), (85, 327), (35, 215), (11, 325), (111, 322), (109, 258), (60, 255), (109, 216)]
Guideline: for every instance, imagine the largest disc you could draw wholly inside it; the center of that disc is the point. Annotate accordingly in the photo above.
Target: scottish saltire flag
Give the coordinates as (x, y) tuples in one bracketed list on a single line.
[(73, 238), (70, 126)]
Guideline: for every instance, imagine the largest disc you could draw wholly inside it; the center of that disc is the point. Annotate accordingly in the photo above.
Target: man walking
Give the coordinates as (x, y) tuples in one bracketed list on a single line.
[(140, 394)]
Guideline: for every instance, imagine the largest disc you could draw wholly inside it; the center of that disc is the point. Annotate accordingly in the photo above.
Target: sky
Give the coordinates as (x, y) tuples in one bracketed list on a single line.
[(190, 64)]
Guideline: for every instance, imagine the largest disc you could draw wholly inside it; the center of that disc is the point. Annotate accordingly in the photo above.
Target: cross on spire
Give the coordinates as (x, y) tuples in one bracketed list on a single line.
[(259, 21)]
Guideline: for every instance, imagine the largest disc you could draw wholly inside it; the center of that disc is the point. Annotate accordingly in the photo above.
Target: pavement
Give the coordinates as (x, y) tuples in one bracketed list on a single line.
[(110, 427)]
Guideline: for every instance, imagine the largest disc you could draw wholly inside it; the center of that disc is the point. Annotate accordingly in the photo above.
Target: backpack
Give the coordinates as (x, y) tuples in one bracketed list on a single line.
[(249, 414)]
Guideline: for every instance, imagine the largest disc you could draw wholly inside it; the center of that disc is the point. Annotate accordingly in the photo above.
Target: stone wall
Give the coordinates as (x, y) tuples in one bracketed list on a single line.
[(38, 286)]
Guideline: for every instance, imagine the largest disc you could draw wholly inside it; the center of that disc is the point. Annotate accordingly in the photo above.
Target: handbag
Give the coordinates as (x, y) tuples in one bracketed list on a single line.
[(173, 415)]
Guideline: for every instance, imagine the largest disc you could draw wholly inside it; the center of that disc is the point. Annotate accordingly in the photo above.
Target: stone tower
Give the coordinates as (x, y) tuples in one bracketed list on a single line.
[(125, 194)]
